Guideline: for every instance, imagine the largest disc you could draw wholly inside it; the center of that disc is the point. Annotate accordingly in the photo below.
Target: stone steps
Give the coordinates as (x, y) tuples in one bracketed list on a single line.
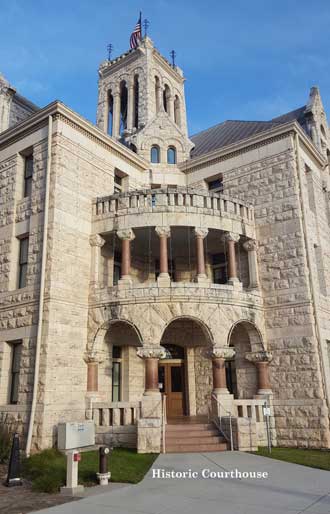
[(193, 437)]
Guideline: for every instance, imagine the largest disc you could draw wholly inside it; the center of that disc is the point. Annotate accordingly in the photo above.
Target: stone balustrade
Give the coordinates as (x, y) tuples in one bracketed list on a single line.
[(252, 408), (177, 291), (135, 207), (115, 414)]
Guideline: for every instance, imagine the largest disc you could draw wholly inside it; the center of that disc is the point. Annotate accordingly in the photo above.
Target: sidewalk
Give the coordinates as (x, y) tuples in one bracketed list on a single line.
[(289, 489)]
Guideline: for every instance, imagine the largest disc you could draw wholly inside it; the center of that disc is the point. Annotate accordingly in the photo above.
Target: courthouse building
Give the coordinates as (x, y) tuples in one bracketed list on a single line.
[(158, 283)]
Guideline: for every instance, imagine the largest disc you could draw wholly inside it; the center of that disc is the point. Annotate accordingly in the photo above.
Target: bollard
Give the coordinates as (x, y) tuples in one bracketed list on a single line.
[(103, 475), (13, 476), (72, 488)]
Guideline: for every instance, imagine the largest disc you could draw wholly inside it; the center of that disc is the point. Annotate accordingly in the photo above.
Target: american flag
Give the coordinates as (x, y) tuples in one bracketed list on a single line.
[(136, 35)]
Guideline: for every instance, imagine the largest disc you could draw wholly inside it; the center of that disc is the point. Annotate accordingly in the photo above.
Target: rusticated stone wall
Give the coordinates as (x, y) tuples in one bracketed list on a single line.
[(269, 180)]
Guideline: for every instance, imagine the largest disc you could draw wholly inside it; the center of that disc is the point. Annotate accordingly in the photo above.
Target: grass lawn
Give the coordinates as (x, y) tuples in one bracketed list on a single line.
[(313, 458), (47, 470)]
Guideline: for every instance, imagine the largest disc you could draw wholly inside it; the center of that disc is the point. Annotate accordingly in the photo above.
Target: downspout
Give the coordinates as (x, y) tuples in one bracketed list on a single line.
[(42, 290), (310, 274)]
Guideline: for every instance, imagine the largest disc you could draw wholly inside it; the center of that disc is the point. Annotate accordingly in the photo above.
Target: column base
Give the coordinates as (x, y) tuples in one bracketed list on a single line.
[(151, 392), (225, 402), (235, 282), (203, 280), (164, 280), (125, 281), (264, 392)]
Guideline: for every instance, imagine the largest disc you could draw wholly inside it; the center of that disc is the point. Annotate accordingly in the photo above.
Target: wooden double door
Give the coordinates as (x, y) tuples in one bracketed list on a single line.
[(171, 376)]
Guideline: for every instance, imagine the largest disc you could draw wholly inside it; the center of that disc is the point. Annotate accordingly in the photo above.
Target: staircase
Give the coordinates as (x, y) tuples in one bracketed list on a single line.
[(192, 434)]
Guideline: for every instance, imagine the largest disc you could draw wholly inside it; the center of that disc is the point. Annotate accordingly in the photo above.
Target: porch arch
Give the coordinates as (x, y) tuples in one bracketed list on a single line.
[(242, 377)]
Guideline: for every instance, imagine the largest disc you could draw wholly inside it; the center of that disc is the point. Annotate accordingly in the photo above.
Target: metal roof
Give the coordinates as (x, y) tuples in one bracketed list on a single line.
[(232, 131)]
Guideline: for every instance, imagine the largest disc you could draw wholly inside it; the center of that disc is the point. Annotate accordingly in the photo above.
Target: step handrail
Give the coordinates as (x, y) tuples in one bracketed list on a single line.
[(213, 397), (164, 421)]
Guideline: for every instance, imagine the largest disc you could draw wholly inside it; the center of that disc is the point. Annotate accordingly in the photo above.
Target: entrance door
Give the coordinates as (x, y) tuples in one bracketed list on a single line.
[(171, 376)]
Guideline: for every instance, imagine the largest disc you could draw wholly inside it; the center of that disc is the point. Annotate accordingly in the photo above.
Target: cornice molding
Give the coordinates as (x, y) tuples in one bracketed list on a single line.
[(61, 112)]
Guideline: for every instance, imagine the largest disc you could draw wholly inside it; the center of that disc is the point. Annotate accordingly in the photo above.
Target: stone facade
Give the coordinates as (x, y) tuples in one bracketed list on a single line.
[(129, 260)]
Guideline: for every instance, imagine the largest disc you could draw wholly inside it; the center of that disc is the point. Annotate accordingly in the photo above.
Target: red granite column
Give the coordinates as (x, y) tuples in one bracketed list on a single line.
[(163, 234), (219, 356), (151, 357), (126, 236), (200, 234), (232, 265), (92, 362), (261, 360)]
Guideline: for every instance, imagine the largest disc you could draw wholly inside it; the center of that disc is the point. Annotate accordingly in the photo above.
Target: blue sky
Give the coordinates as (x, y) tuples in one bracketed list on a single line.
[(242, 59)]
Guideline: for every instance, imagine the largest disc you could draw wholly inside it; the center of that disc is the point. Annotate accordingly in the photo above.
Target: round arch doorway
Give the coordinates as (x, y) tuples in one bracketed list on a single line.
[(171, 373)]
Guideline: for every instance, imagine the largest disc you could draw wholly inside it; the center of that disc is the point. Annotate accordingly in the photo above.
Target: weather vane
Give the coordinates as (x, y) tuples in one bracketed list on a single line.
[(173, 56), (110, 49), (146, 25)]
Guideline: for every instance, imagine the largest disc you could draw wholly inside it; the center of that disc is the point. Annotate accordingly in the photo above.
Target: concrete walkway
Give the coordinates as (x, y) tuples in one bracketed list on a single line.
[(289, 488)]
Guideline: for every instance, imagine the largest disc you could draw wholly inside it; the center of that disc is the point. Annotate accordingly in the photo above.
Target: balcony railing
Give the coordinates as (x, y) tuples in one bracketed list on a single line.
[(172, 200)]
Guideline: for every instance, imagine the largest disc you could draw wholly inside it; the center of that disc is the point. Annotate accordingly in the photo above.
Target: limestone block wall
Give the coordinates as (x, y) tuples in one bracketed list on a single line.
[(267, 177), (203, 374)]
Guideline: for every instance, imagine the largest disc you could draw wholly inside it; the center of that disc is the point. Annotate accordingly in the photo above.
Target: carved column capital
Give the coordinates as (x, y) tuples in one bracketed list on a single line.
[(222, 353), (96, 240), (93, 357), (151, 353), (201, 232), (163, 231), (262, 356), (126, 233), (250, 245), (231, 236)]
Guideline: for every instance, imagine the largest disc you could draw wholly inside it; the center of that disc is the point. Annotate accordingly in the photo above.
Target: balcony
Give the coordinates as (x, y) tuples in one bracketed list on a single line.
[(177, 206)]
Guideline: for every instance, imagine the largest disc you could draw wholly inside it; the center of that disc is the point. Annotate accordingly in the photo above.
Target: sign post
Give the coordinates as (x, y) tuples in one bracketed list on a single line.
[(266, 411)]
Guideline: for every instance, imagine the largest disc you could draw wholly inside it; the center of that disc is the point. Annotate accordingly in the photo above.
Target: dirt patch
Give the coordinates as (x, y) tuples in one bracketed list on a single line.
[(21, 499)]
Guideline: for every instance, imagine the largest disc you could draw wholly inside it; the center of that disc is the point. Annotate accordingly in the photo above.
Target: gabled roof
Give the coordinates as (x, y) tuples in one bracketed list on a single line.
[(232, 131)]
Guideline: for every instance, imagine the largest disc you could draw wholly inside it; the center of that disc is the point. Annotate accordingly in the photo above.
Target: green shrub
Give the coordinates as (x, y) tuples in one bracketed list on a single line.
[(5, 443)]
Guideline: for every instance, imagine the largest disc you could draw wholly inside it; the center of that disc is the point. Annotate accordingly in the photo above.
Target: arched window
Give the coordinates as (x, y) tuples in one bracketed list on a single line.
[(123, 107), (110, 115), (155, 154), (166, 96), (136, 102), (323, 132), (171, 155)]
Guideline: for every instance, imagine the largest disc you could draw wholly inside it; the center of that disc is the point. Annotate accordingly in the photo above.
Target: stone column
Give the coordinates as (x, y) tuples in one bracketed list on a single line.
[(92, 361), (151, 357), (222, 402), (219, 356), (251, 247), (96, 242), (159, 99), (116, 114), (231, 239), (261, 360), (170, 106), (200, 234), (164, 277), (126, 236), (130, 107)]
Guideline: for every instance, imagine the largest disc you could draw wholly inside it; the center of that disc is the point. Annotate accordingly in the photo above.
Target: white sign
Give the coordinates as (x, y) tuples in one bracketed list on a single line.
[(266, 411)]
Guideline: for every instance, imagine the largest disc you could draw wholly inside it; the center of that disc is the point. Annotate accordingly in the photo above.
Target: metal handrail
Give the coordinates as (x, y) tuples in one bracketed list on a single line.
[(164, 421), (230, 421)]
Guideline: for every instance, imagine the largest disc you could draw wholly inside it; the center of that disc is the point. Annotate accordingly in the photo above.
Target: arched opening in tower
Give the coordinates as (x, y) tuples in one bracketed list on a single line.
[(123, 106)]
